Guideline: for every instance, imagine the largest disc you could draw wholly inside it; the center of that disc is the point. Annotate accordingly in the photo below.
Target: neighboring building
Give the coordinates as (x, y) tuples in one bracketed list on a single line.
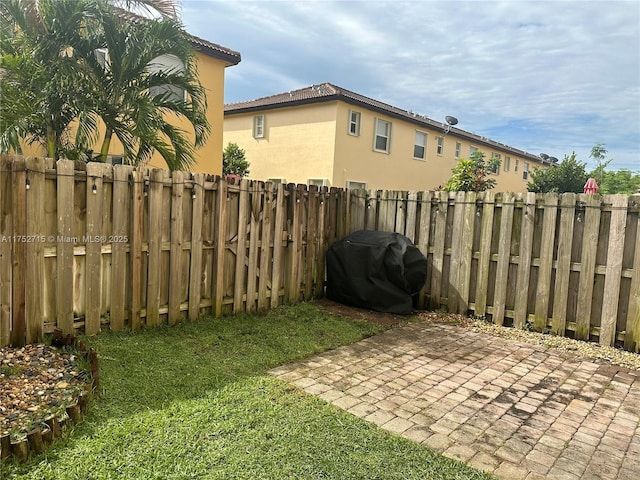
[(211, 61), (326, 135)]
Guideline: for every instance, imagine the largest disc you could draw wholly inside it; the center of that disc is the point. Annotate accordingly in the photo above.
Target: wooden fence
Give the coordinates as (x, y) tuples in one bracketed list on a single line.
[(94, 247)]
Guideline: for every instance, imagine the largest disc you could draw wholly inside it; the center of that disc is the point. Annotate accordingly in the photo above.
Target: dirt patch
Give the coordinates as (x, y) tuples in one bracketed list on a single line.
[(379, 318)]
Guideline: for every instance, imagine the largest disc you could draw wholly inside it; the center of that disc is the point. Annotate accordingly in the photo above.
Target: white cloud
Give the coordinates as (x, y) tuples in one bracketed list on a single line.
[(566, 73)]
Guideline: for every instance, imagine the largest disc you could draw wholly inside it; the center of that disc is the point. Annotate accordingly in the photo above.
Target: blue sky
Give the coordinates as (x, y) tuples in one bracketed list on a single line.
[(543, 76)]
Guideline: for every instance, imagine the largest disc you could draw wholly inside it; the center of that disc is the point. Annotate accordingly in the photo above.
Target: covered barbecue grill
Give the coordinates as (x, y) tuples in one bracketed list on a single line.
[(381, 271)]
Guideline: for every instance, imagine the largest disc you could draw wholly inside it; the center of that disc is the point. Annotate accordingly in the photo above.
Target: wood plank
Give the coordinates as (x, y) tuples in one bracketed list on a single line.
[(64, 246), (34, 308), (154, 259), (456, 246), (486, 233), (175, 258), (591, 219), (220, 246), (6, 234), (311, 254), (524, 260), (619, 204), (423, 236), (563, 263), (371, 215), (543, 290), (410, 221), (466, 251), (195, 261), (138, 200), (632, 336), (322, 245), (438, 249), (295, 246), (401, 206), (504, 254), (358, 199), (120, 241), (19, 253), (93, 244), (265, 249), (239, 289), (278, 248), (257, 193)]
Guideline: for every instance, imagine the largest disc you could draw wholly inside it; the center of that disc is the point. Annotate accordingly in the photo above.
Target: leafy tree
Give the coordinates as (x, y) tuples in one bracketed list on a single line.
[(619, 181), (470, 174), (568, 176), (52, 76), (234, 161), (599, 153)]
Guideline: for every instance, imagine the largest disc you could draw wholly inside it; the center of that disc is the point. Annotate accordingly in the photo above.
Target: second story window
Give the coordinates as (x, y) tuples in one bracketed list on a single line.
[(382, 140), (516, 165), (354, 123), (472, 149), (169, 64), (507, 163), (440, 146), (525, 171), (458, 148), (494, 163), (419, 145), (258, 126)]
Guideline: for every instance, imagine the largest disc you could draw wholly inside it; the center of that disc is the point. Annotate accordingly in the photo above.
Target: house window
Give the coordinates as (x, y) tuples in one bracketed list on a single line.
[(354, 123), (258, 126), (507, 163), (458, 148), (494, 165), (169, 64), (102, 55), (318, 182), (353, 185), (516, 165), (277, 180), (525, 171), (472, 150), (382, 140), (440, 146), (419, 145)]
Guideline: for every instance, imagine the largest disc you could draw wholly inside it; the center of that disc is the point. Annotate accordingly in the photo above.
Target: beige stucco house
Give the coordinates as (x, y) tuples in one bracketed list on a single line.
[(327, 135)]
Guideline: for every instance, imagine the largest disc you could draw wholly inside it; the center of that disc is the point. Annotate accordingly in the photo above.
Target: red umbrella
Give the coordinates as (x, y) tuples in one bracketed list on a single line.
[(591, 186)]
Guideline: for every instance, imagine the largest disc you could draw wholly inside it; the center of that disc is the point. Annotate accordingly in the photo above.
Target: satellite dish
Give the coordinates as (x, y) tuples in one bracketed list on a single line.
[(544, 156), (553, 159), (451, 120)]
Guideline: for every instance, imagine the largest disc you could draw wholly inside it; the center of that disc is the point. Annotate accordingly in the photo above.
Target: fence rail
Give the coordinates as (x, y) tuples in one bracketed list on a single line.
[(93, 246)]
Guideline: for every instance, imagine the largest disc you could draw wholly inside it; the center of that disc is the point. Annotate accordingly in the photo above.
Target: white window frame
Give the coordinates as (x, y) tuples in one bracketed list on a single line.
[(497, 168), (358, 185), (386, 136), (507, 163), (440, 146), (102, 56), (516, 165), (170, 64), (258, 126), (277, 180), (458, 149), (423, 146), (472, 150), (318, 182), (525, 171), (354, 123)]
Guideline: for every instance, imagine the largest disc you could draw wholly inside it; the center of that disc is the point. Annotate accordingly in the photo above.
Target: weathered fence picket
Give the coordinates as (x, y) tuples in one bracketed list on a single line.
[(90, 246)]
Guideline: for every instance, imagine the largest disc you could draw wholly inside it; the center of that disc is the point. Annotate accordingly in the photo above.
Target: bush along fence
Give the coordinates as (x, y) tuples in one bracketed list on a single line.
[(96, 247)]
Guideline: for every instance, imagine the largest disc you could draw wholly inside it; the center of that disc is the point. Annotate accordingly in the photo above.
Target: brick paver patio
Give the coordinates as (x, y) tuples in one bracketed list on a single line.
[(516, 410)]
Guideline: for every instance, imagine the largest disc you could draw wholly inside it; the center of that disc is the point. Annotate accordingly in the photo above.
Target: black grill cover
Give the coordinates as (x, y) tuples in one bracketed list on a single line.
[(376, 270)]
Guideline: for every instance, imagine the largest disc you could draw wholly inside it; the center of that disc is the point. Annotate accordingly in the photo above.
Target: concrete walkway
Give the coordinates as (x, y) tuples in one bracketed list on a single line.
[(516, 410)]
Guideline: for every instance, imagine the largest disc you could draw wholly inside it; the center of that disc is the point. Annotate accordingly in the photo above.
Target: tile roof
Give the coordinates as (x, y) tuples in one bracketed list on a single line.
[(327, 92), (200, 44)]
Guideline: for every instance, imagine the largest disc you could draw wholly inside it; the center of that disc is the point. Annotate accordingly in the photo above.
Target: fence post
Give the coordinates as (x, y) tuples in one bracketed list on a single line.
[(563, 263), (121, 212), (632, 337), (524, 260), (6, 261), (195, 260), (546, 261)]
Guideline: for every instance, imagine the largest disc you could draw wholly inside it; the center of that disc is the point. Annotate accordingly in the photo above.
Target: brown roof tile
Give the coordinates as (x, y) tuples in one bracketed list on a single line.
[(327, 92)]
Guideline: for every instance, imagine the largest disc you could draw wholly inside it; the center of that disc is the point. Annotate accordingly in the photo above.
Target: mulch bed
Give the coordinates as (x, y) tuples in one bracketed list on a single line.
[(41, 388)]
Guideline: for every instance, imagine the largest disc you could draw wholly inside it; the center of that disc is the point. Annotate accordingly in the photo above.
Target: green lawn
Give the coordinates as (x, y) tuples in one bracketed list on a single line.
[(195, 402)]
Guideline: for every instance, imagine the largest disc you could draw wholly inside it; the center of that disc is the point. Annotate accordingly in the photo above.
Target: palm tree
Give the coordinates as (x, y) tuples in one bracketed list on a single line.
[(55, 70), (134, 94)]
